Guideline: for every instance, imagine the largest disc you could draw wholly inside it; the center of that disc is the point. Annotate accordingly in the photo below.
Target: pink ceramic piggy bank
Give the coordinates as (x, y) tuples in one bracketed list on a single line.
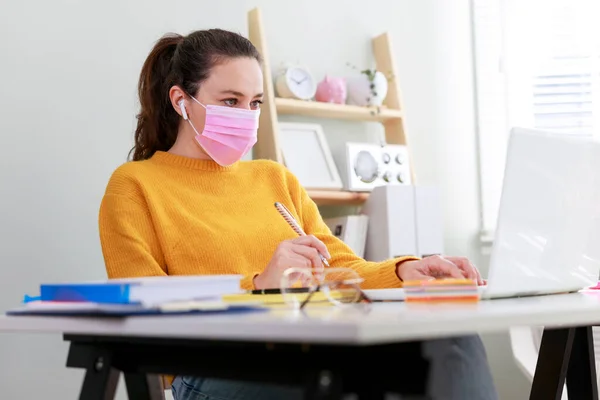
[(331, 90)]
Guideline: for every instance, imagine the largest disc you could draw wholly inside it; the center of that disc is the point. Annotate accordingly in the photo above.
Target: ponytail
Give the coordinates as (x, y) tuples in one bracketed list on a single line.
[(180, 61), (157, 121)]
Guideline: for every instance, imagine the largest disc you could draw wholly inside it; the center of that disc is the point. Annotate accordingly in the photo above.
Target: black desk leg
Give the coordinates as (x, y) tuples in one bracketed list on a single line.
[(371, 394), (324, 385), (552, 364), (101, 379), (566, 354), (143, 387), (100, 385), (581, 376)]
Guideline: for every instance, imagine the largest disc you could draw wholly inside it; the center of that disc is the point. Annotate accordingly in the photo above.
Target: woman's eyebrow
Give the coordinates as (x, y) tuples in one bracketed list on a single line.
[(239, 94), (233, 92)]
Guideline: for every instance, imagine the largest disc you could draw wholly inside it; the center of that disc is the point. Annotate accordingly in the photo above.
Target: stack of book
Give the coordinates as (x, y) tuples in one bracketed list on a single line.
[(441, 290), (135, 296)]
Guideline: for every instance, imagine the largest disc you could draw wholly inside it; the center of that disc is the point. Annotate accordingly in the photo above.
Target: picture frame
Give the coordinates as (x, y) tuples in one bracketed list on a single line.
[(307, 155)]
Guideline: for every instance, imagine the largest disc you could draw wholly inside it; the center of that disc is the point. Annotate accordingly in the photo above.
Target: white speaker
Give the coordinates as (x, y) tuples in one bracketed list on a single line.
[(364, 166), (403, 220), (429, 221), (391, 232)]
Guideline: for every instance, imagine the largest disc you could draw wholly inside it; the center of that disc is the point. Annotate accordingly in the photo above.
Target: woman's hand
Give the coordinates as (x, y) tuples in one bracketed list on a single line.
[(301, 252), (434, 267)]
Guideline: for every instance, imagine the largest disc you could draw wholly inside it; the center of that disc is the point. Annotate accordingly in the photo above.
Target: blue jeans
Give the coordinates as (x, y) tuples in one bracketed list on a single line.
[(458, 371)]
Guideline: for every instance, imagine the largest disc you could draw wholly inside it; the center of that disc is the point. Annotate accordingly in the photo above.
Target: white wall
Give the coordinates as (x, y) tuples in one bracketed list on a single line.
[(67, 103)]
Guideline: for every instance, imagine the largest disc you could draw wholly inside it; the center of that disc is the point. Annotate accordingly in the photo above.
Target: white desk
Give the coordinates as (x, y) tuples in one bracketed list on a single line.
[(350, 328), (383, 323)]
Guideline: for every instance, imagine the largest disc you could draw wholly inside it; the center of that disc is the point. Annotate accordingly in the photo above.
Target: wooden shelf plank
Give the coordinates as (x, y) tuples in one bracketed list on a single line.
[(330, 197), (335, 111)]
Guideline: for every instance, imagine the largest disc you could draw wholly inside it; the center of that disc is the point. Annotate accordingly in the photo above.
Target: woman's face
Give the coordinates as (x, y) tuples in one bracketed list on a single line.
[(237, 83)]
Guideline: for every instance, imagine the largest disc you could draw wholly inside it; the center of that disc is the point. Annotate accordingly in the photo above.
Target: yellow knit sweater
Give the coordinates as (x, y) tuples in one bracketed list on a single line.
[(173, 215)]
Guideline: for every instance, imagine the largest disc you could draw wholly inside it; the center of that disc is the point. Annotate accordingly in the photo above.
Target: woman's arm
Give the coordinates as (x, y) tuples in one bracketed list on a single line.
[(376, 274), (129, 243)]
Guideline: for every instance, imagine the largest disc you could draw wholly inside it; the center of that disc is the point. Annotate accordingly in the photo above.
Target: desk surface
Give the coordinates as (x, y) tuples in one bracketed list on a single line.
[(383, 323)]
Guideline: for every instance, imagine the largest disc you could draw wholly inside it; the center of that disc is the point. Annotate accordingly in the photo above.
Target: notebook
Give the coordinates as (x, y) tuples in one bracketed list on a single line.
[(83, 309)]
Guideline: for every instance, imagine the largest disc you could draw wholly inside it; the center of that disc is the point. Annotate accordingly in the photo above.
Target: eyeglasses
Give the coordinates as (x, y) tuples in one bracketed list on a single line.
[(337, 286)]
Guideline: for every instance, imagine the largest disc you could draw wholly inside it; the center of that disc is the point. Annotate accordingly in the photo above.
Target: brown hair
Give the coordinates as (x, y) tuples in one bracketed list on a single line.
[(185, 61)]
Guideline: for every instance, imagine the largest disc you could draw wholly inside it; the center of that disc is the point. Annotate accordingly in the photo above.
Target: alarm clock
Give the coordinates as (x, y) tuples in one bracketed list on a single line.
[(365, 166), (296, 83)]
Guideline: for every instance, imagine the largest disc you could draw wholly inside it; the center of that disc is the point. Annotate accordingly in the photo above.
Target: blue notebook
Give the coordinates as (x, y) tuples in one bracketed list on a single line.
[(40, 308), (115, 293)]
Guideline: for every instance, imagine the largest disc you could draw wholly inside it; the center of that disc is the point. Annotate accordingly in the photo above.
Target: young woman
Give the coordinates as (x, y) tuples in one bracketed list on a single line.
[(187, 205)]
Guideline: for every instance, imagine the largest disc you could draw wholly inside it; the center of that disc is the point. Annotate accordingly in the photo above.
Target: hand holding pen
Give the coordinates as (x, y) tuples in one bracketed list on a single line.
[(305, 251), (289, 218)]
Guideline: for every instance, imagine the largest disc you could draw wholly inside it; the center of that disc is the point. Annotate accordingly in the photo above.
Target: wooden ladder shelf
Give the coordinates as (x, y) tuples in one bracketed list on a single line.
[(390, 114)]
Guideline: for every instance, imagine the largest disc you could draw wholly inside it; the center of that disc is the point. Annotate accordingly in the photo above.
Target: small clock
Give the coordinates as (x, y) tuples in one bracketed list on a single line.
[(296, 83)]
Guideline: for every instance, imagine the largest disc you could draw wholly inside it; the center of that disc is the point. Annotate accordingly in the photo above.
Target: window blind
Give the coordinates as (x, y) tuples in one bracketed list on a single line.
[(537, 65)]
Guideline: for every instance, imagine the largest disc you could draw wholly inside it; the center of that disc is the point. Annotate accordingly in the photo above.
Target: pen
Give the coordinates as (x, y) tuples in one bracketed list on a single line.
[(292, 222), (278, 291)]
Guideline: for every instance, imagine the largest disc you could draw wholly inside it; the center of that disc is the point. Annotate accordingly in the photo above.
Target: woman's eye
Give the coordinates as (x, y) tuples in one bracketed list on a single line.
[(230, 102), (256, 104)]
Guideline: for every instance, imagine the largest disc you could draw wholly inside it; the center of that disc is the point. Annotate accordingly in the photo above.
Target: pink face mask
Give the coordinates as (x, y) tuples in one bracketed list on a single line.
[(229, 133)]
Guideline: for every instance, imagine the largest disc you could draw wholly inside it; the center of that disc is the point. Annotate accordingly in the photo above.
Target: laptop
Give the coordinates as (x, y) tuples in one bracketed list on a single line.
[(547, 237)]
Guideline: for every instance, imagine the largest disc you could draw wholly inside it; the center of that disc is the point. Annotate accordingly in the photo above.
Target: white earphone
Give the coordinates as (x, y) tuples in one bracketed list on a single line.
[(182, 108)]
